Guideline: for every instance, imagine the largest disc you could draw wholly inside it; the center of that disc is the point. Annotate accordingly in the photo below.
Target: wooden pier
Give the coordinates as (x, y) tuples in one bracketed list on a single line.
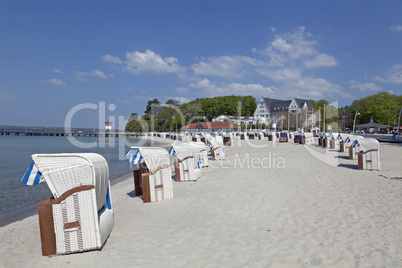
[(63, 134)]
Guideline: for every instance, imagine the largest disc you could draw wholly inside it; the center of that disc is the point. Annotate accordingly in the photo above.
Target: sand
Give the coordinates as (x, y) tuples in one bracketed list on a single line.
[(286, 205)]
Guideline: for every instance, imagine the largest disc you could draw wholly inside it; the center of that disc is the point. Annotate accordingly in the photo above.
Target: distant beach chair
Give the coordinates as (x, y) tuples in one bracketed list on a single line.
[(284, 137), (188, 164), (79, 217), (309, 138), (217, 150), (204, 150), (227, 140), (153, 175), (271, 136), (351, 143), (368, 156)]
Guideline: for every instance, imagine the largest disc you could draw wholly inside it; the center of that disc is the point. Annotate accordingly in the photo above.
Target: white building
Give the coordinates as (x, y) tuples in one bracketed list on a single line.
[(299, 110), (234, 119)]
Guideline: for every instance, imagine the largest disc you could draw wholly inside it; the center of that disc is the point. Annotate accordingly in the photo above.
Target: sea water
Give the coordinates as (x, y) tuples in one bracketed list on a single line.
[(18, 200)]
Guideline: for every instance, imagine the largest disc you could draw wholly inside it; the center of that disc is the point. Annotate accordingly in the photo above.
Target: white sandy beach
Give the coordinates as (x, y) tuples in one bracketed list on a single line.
[(277, 206)]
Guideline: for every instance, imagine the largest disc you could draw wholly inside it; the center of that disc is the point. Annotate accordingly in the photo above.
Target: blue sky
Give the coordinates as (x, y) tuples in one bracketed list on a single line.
[(56, 55)]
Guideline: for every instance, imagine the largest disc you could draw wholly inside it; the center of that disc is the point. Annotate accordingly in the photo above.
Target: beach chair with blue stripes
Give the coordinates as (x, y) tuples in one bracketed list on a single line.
[(152, 174), (188, 164), (368, 156), (79, 216)]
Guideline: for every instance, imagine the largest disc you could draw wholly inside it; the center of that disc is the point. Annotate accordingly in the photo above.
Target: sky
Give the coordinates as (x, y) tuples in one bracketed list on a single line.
[(82, 62)]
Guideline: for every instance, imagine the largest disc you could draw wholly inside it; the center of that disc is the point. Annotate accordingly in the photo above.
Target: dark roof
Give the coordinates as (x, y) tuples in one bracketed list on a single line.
[(210, 125), (301, 102), (275, 105), (371, 124)]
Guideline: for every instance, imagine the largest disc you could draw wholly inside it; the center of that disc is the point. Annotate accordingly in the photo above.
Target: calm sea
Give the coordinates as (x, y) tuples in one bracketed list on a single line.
[(18, 200)]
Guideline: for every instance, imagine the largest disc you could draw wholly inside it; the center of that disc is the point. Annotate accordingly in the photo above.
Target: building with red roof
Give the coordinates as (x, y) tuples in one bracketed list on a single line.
[(211, 127)]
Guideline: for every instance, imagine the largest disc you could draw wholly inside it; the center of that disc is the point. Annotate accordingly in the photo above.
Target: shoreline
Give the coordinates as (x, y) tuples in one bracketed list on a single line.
[(32, 211)]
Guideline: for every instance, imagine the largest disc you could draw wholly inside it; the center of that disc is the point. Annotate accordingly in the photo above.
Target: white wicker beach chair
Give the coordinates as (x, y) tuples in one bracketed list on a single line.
[(80, 217), (368, 156), (203, 151), (188, 164), (217, 149), (153, 178)]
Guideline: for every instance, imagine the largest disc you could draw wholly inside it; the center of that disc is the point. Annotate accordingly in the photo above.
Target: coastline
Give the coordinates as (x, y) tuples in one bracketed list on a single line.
[(155, 141)]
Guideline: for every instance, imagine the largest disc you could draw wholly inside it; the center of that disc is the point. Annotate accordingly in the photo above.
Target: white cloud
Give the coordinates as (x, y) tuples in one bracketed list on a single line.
[(101, 74), (281, 75), (288, 56), (321, 60), (6, 96), (112, 59), (150, 62), (181, 100), (55, 70), (396, 28), (364, 86), (392, 76), (55, 82), (225, 66), (295, 49), (82, 76), (209, 89)]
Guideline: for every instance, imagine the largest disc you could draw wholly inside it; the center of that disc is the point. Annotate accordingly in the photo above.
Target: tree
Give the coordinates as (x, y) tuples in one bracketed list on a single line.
[(192, 110), (173, 103), (137, 125), (383, 107), (133, 116), (150, 109)]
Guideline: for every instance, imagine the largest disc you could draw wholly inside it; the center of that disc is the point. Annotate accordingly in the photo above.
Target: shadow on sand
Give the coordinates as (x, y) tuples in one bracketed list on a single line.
[(348, 166)]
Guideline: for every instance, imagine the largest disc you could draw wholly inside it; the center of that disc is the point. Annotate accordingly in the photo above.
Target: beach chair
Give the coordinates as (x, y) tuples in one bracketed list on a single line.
[(227, 140), (152, 176), (309, 138), (368, 156), (79, 216), (284, 137), (203, 150), (217, 150), (188, 164)]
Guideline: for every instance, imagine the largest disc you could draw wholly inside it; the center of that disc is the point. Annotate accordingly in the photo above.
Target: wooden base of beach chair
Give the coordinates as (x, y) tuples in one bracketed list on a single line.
[(177, 171), (46, 226), (341, 147), (227, 141), (351, 153), (138, 177)]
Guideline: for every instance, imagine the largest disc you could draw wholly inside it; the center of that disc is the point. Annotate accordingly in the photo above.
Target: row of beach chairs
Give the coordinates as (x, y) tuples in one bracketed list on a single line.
[(79, 216), (365, 150)]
